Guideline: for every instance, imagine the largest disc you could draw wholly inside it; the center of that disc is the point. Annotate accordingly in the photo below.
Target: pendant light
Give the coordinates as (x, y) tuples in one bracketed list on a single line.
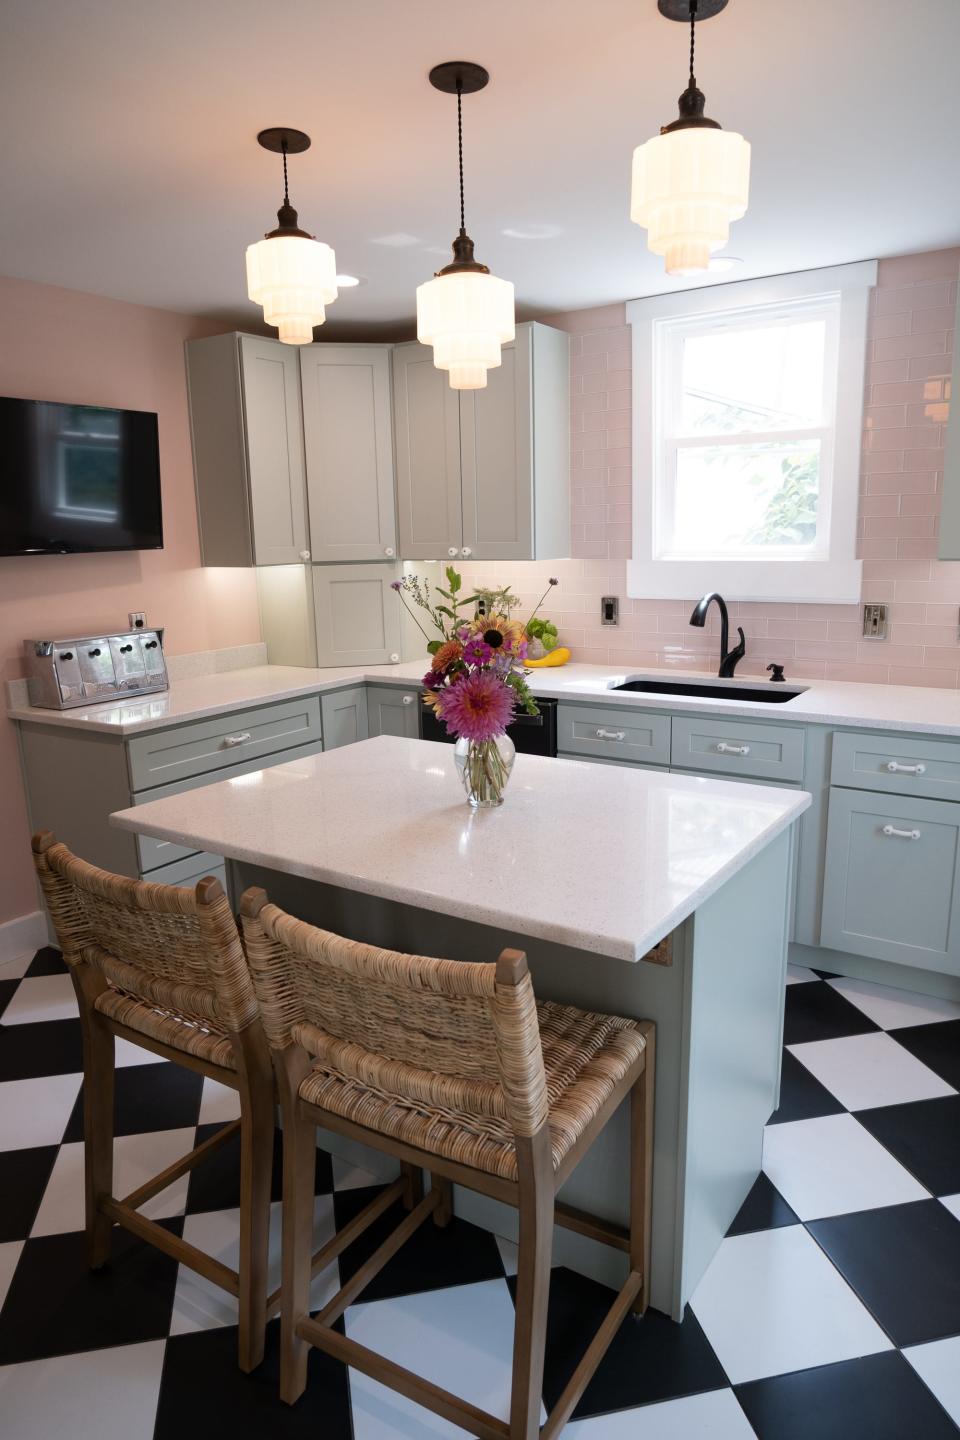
[(693, 178), (289, 272), (464, 312)]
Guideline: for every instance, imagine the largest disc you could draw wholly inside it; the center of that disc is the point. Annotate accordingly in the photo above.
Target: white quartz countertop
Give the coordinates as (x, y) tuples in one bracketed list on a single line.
[(882, 707), (605, 860)]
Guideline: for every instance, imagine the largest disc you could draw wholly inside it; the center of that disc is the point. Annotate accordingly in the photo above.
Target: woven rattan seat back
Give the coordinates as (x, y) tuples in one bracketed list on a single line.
[(163, 950), (438, 1033)]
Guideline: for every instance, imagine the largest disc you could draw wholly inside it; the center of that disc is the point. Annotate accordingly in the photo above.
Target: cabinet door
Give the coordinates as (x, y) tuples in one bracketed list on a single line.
[(426, 416), (349, 451), (274, 440), (344, 717), (393, 711), (496, 459), (891, 879), (357, 615)]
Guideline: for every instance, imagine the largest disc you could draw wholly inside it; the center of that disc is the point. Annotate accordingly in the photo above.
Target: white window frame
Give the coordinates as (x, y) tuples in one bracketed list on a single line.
[(830, 573)]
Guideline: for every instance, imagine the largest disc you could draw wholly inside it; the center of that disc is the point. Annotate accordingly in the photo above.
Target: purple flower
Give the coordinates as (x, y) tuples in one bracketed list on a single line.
[(396, 584), (477, 707), (432, 680), (554, 580), (477, 651)]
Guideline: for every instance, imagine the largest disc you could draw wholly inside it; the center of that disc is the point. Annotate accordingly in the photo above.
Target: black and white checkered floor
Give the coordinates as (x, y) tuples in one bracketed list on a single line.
[(831, 1310)]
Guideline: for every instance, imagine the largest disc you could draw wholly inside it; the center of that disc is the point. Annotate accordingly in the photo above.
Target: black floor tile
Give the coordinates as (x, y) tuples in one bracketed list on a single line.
[(146, 1098), (45, 1047), (763, 1209), (815, 1011), (57, 1306), (203, 1393), (903, 1261), (878, 1397), (460, 1254), (650, 1359), (924, 1135), (23, 1179), (215, 1183), (802, 1097), (936, 1045), (8, 988), (47, 961)]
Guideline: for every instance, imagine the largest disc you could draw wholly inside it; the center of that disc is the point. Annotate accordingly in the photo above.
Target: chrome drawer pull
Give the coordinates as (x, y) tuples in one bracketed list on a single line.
[(901, 834), (725, 749), (611, 734), (896, 768), (240, 739)]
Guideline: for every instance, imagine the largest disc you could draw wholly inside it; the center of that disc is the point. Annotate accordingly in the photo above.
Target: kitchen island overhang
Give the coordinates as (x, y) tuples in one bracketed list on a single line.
[(585, 867)]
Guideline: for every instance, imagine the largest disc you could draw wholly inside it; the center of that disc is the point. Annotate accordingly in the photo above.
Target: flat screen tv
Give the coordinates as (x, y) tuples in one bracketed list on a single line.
[(76, 478)]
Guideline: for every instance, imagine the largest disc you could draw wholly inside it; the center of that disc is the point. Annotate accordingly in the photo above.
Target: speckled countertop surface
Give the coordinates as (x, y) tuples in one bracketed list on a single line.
[(630, 854)]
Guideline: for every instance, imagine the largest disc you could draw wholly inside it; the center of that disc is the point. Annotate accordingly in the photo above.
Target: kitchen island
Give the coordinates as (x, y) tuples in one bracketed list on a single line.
[(652, 895)]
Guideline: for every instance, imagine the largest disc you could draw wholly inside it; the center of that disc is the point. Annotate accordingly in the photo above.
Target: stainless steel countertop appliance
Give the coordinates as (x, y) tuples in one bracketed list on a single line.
[(89, 669)]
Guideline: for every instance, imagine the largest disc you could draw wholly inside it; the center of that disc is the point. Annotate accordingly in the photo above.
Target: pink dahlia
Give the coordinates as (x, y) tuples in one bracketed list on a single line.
[(478, 707)]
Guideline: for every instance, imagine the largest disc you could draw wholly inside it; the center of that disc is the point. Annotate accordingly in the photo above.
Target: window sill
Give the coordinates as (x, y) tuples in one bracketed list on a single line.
[(804, 582)]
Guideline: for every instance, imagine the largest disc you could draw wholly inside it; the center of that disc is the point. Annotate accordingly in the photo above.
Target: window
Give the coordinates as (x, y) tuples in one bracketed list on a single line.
[(748, 403)]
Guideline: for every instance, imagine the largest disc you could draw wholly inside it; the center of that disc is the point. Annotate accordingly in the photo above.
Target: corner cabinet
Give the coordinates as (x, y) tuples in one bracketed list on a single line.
[(485, 474), (247, 431)]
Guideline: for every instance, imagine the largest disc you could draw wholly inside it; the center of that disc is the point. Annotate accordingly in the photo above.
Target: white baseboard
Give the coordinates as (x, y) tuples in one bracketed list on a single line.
[(22, 936)]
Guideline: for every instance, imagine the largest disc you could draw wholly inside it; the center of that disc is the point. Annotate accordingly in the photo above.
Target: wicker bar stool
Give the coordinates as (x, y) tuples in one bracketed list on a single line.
[(452, 1067), (163, 967)]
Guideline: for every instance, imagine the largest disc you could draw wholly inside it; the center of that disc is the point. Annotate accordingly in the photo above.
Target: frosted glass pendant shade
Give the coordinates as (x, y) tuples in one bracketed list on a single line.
[(688, 185), (293, 277), (466, 316)]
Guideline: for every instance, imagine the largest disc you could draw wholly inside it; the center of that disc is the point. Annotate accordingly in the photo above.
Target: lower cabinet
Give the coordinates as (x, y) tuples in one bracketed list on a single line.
[(393, 711), (344, 717), (892, 879)]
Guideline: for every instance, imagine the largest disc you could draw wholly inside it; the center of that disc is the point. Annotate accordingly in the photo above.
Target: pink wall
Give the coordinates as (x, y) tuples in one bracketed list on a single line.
[(62, 345), (905, 416)]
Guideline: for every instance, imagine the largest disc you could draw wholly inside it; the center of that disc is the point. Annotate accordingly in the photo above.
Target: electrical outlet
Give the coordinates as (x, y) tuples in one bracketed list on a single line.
[(609, 610), (875, 622), (137, 619)]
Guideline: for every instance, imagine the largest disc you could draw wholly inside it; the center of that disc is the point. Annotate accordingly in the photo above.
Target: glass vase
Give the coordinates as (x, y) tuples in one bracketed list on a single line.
[(484, 767)]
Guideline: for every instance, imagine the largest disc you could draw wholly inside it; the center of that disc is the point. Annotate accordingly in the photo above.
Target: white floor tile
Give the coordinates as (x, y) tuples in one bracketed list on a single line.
[(35, 1112), (800, 975), (771, 1302), (952, 1203), (509, 1254), (864, 1071), (832, 1166), (87, 1396), (16, 966), (218, 1103), (461, 1338), (126, 1053), (42, 997), (891, 1008), (135, 1159), (9, 1257), (715, 1415), (348, 1176), (938, 1365), (198, 1304)]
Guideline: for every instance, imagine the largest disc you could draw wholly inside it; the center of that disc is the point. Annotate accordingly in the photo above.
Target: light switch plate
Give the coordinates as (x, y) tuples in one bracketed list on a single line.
[(609, 610), (874, 622)]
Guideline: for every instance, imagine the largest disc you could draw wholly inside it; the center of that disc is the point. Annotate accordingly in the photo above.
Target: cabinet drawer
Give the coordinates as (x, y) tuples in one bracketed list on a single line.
[(190, 871), (903, 766), (203, 747), (600, 730), (891, 879), (729, 747), (153, 852)]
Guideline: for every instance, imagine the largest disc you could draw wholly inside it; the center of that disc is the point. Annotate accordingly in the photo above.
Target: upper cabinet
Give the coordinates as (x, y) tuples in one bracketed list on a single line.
[(247, 430), (485, 474), (349, 451)]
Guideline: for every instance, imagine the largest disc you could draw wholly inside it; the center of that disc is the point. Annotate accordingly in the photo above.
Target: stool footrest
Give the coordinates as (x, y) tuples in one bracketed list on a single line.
[(172, 1245), (592, 1356)]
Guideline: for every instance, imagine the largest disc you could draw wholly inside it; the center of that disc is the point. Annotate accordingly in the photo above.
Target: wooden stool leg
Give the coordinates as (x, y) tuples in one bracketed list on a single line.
[(444, 1211), (299, 1162), (98, 1072), (413, 1185), (641, 1170), (256, 1166), (533, 1284)]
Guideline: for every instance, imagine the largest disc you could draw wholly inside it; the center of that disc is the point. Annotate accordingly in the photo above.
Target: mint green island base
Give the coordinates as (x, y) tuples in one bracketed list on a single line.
[(719, 1011)]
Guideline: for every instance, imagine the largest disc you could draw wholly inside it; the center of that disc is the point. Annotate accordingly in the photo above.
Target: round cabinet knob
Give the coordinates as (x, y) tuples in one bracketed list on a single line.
[(452, 552), (394, 658), (466, 552), (408, 699), (389, 552), (304, 554)]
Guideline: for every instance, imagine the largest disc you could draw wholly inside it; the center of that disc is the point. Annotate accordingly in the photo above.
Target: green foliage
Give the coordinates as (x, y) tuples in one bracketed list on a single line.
[(791, 515)]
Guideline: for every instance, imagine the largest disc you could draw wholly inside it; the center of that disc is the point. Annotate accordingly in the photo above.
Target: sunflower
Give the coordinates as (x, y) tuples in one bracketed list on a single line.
[(511, 630)]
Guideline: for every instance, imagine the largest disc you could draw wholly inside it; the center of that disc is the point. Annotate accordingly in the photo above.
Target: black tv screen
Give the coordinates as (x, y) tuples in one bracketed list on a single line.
[(76, 478)]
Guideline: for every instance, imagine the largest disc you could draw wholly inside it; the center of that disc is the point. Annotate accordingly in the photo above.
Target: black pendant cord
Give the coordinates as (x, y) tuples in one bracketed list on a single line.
[(460, 150), (286, 193), (693, 38)]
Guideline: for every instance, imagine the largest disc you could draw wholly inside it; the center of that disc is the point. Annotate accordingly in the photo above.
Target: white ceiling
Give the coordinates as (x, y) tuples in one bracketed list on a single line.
[(129, 165)]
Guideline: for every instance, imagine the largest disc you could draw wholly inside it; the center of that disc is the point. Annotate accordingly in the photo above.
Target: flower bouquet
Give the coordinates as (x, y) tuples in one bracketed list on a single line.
[(475, 681)]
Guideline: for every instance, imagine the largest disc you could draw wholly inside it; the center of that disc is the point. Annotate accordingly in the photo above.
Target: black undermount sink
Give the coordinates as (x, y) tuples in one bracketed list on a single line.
[(768, 694)]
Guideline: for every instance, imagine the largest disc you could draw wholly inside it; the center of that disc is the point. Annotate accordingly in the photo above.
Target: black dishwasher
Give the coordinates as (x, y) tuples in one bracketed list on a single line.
[(531, 734)]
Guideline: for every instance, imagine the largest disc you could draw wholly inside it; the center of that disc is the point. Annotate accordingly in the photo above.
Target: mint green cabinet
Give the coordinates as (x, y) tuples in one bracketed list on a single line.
[(892, 878), (393, 711)]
